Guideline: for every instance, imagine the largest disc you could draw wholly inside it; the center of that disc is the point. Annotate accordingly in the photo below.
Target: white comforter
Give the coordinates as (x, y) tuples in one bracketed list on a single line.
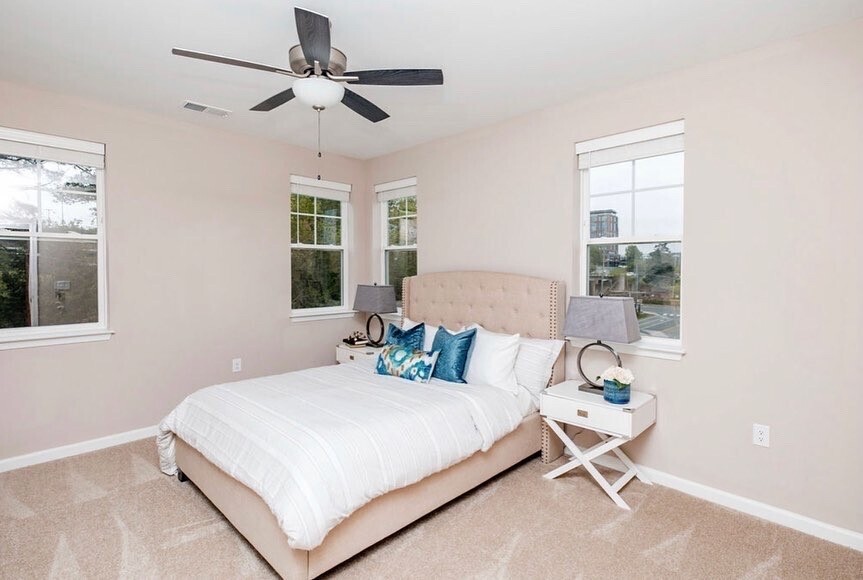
[(320, 443)]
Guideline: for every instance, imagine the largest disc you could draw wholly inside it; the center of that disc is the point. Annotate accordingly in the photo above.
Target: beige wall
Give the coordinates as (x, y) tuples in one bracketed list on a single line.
[(199, 273), (771, 290)]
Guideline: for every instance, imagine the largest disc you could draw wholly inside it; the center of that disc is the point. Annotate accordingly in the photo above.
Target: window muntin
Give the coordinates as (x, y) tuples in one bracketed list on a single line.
[(632, 230), (318, 249), (52, 271)]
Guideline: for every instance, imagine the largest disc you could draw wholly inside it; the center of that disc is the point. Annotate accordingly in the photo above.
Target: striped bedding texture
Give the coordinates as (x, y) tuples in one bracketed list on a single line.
[(318, 444)]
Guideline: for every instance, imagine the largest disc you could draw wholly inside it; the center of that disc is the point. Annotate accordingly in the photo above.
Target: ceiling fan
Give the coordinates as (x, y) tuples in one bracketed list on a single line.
[(320, 71)]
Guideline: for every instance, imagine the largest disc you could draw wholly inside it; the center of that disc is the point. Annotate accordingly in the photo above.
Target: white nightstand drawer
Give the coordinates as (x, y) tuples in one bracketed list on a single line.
[(565, 403), (346, 354), (586, 415)]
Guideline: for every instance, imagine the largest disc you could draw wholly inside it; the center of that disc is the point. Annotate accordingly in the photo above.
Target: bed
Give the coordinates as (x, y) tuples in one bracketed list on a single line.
[(507, 303)]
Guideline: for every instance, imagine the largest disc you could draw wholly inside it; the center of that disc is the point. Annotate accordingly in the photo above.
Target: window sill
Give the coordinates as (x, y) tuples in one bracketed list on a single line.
[(640, 348), (53, 337), (313, 316)]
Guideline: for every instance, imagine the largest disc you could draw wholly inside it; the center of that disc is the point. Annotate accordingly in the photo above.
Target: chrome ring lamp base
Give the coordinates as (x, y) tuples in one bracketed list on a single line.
[(380, 340), (590, 386)]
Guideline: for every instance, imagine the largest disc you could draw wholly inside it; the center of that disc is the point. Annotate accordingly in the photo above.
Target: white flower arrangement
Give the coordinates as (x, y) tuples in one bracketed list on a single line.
[(620, 376)]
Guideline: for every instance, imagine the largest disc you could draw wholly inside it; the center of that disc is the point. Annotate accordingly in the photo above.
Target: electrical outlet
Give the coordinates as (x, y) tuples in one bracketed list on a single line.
[(237, 365), (761, 435)]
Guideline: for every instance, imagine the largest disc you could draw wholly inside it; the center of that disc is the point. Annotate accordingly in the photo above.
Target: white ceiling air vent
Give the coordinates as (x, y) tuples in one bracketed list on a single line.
[(209, 109)]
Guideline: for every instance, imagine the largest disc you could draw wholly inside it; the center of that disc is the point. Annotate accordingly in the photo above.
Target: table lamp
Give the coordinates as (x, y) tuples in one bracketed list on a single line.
[(376, 300), (600, 318)]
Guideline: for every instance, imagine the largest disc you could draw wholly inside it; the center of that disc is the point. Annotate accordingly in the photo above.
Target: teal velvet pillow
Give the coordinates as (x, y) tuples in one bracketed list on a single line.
[(454, 351), (406, 363), (412, 338)]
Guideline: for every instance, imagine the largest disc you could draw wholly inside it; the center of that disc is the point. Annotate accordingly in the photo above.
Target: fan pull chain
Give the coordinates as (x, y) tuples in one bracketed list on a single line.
[(319, 143)]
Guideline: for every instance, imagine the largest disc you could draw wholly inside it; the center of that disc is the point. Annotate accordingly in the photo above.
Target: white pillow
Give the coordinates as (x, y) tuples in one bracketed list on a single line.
[(430, 331), (492, 360), (535, 361)]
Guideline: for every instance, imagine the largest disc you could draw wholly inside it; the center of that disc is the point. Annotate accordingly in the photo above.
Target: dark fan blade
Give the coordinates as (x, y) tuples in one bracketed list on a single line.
[(399, 76), (231, 61), (363, 106), (314, 32), (274, 101)]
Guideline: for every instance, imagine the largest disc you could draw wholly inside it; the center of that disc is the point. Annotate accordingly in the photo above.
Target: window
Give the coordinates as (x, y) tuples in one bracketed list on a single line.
[(319, 234), (52, 244), (632, 224), (398, 207)]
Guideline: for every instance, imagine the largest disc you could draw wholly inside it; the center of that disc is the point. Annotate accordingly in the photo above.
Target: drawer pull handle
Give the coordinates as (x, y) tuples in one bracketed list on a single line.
[(582, 413), (351, 357)]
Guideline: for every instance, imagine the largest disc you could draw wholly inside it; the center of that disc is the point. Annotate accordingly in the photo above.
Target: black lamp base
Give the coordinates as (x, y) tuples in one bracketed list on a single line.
[(588, 385), (379, 341)]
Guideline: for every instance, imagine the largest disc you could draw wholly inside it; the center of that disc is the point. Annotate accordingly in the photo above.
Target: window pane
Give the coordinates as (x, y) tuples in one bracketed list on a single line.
[(329, 231), (329, 207), (396, 207), (409, 231), (68, 282), (649, 273), (306, 227), (14, 283), (393, 229), (659, 212), (614, 177), (295, 234), (294, 203), (400, 264), (316, 278), (66, 211), (611, 215), (411, 205), (56, 175), (305, 204), (659, 171), (18, 186)]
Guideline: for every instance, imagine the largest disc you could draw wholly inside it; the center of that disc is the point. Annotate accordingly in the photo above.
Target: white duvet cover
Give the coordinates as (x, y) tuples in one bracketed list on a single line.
[(318, 444)]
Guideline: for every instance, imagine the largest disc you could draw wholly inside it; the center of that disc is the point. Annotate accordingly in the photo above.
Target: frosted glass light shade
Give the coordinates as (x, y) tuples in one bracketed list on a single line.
[(318, 92)]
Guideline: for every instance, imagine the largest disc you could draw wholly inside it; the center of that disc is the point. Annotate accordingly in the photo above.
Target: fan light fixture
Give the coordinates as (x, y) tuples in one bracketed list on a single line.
[(318, 92)]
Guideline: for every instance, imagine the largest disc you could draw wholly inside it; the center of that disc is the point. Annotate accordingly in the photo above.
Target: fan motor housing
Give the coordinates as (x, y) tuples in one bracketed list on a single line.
[(338, 61)]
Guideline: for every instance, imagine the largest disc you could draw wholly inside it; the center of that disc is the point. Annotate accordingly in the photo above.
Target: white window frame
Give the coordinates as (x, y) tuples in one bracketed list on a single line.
[(66, 150), (339, 192), (649, 346), (385, 192)]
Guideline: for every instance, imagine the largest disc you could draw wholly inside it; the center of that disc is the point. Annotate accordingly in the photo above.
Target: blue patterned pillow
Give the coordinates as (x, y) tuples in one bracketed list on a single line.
[(406, 363), (411, 338), (454, 351)]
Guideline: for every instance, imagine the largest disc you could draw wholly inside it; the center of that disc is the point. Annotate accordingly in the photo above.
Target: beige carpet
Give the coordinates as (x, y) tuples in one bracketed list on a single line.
[(112, 514)]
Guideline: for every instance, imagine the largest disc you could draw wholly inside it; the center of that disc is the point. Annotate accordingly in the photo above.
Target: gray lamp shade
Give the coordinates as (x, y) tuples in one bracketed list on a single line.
[(610, 318), (376, 299)]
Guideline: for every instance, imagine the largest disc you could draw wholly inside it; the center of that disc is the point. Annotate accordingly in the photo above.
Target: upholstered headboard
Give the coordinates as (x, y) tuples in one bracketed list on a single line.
[(510, 303)]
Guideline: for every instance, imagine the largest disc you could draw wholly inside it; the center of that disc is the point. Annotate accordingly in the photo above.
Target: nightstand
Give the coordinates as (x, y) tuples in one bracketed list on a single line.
[(345, 353), (614, 424)]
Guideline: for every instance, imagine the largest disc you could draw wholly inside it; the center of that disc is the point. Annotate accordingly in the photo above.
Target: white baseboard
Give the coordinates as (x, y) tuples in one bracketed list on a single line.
[(76, 448), (805, 524)]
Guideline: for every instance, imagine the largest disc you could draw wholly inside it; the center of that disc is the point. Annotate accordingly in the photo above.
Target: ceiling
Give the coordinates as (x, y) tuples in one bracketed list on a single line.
[(500, 58)]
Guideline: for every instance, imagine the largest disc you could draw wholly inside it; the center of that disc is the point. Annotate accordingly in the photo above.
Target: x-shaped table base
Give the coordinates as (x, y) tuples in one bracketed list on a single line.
[(585, 456)]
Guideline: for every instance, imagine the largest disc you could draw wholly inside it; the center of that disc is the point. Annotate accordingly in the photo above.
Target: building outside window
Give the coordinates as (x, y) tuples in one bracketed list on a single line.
[(319, 244), (52, 240), (632, 224), (398, 216)]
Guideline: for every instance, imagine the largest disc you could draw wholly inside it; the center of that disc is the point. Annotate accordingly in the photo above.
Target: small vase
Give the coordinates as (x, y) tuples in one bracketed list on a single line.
[(613, 394)]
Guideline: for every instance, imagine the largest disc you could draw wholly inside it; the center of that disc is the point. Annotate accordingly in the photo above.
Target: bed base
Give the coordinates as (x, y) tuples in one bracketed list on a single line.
[(368, 525), (508, 303)]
